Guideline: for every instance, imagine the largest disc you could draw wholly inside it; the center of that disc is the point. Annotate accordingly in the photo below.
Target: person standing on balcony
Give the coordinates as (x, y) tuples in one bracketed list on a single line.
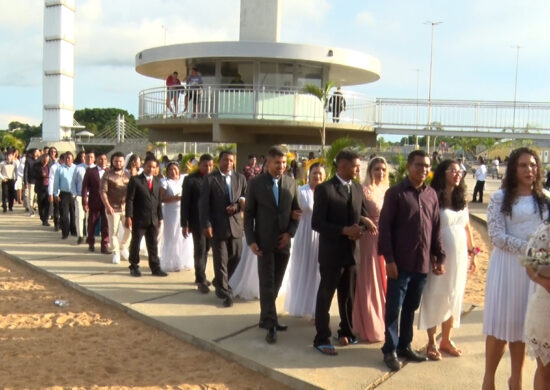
[(172, 92), (194, 89), (337, 104), (480, 175)]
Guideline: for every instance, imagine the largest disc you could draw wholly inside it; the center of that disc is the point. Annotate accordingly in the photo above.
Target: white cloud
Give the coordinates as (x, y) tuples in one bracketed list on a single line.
[(365, 18)]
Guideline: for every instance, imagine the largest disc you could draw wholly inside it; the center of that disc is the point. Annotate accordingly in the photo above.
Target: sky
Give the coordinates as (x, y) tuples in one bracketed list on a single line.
[(474, 54)]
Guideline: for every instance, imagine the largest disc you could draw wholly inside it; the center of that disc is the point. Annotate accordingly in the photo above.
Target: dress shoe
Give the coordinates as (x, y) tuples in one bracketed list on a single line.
[(391, 361), (411, 355), (219, 294), (56, 228), (228, 302), (135, 271), (271, 336), (159, 272), (45, 223), (64, 237), (106, 251), (79, 241), (91, 248), (124, 254), (203, 288), (116, 258), (282, 327)]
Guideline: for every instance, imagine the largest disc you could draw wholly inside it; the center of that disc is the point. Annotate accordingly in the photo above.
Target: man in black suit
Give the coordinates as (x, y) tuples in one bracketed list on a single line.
[(190, 222), (268, 225), (221, 220), (339, 205), (144, 216)]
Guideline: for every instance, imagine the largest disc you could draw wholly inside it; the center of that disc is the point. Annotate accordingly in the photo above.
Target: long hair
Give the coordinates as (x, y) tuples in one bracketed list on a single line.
[(372, 163), (510, 182), (439, 183)]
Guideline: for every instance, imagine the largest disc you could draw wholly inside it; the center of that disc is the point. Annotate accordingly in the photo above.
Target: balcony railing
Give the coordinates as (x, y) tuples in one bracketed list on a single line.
[(251, 103)]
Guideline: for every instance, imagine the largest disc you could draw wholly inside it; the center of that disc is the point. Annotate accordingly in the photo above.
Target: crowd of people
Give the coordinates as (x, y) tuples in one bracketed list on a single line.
[(384, 251)]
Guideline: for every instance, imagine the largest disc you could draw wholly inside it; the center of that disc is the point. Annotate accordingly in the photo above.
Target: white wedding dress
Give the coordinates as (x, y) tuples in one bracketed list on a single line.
[(176, 252), (443, 294), (245, 282), (303, 267), (508, 286)]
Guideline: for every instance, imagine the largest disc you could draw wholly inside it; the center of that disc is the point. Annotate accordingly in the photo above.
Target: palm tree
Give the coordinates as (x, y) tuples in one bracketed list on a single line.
[(335, 148), (323, 95)]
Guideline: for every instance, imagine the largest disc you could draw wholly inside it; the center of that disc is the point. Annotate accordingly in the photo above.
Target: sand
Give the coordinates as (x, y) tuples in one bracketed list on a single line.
[(475, 287), (90, 345)]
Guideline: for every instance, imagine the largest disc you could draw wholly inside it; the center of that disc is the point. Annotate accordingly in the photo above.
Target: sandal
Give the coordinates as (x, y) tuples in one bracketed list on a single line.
[(451, 349), (326, 349), (432, 352)]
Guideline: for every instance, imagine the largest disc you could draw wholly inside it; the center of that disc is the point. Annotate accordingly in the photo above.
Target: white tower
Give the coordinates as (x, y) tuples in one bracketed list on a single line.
[(58, 66), (260, 20)]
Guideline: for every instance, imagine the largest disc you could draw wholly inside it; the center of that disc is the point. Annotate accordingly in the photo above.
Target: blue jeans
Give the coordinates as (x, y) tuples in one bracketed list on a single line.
[(404, 294)]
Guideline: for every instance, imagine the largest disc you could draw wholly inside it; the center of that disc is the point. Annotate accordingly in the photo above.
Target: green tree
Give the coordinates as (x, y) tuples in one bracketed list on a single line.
[(335, 148), (10, 141), (323, 95)]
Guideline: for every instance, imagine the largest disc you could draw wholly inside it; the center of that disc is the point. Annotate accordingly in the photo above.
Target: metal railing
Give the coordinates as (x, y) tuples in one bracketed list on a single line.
[(463, 115), (249, 102)]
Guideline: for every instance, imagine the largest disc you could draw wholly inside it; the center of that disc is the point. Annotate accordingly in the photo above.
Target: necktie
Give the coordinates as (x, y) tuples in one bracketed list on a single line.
[(348, 188), (276, 191), (150, 183), (228, 185)]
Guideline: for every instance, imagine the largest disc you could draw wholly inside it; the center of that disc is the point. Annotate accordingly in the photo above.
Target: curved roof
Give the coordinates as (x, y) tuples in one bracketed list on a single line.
[(346, 67)]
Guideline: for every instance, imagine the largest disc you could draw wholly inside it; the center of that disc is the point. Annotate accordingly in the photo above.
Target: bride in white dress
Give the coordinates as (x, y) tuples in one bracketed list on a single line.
[(514, 213), (442, 296), (177, 252), (303, 270)]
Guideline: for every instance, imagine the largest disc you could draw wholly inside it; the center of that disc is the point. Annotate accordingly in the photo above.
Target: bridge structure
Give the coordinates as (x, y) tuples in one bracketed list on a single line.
[(116, 132), (302, 114)]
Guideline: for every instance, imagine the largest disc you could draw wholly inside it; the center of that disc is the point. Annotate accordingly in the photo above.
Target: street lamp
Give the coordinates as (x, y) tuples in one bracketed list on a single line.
[(417, 70), (433, 24), (517, 47)]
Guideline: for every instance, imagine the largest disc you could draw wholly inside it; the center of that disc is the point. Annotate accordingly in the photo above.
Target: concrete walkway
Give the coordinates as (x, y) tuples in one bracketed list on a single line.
[(174, 305)]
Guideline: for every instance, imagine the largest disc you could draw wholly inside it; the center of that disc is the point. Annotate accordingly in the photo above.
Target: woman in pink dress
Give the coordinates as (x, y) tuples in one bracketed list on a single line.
[(370, 291)]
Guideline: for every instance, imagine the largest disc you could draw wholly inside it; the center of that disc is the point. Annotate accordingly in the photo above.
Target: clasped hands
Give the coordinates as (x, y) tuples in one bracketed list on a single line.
[(282, 242)]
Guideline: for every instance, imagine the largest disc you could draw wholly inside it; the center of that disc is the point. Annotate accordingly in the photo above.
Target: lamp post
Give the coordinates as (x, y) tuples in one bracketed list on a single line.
[(517, 47), (164, 28), (417, 70), (433, 24)]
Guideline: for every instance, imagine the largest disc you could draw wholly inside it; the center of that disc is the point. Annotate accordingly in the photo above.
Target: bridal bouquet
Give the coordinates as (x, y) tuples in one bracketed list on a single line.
[(537, 255)]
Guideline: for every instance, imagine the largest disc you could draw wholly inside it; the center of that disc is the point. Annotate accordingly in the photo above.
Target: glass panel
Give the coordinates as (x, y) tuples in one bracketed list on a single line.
[(308, 74), (276, 74), (236, 73)]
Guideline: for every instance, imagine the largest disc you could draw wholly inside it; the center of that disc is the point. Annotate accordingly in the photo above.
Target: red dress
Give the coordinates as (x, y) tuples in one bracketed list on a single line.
[(370, 292)]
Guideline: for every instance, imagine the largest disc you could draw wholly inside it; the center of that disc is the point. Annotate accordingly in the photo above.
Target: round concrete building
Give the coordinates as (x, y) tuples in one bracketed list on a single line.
[(252, 90)]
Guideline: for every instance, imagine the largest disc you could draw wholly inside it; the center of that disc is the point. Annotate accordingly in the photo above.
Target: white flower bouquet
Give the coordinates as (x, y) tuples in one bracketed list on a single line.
[(537, 254)]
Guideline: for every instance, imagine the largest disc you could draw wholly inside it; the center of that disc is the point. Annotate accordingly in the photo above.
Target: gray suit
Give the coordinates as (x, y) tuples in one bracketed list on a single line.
[(264, 222), (227, 230)]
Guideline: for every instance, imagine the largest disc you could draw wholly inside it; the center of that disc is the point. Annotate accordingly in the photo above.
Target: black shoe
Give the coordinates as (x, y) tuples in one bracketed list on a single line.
[(159, 272), (91, 248), (79, 241), (64, 237), (106, 251), (203, 288), (391, 361), (5, 210), (135, 271), (228, 302), (271, 336), (219, 294), (411, 355), (56, 228), (281, 327), (45, 223)]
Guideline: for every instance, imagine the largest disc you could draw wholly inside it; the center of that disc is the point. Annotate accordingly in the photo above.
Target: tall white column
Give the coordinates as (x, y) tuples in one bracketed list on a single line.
[(260, 20), (58, 67)]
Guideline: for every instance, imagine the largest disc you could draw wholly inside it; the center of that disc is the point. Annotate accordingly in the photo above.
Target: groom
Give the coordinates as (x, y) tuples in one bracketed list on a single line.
[(268, 225)]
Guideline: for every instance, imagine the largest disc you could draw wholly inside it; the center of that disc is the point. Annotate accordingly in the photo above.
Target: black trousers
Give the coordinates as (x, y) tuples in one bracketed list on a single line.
[(341, 279), (66, 214), (43, 203), (55, 213), (480, 185), (271, 269), (226, 253), (8, 194), (151, 233), (201, 246), (95, 217)]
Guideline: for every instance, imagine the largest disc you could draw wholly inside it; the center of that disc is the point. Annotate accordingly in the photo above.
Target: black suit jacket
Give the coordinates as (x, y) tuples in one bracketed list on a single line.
[(190, 195), (142, 205), (214, 200), (264, 221), (331, 213)]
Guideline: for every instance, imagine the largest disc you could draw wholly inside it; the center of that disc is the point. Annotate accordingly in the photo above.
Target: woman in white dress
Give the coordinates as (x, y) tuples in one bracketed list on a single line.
[(514, 213), (537, 331), (442, 296), (177, 252), (303, 276)]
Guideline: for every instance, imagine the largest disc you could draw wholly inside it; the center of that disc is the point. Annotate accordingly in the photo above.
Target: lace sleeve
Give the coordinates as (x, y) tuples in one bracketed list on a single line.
[(496, 223)]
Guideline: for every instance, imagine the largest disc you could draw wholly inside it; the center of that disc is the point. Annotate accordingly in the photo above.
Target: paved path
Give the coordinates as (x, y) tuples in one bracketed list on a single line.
[(174, 305)]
